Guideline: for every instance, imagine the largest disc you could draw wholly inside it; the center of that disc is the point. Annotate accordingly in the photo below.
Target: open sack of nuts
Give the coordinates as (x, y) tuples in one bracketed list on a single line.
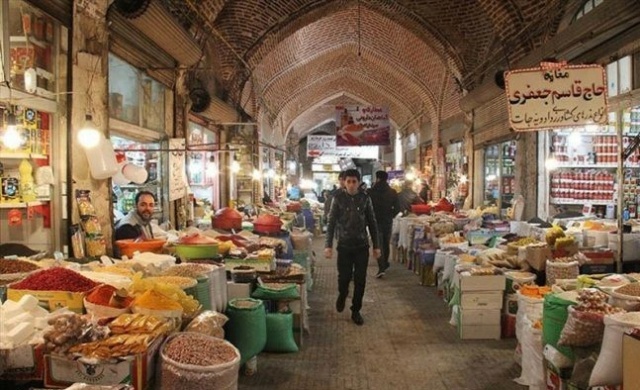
[(585, 324)]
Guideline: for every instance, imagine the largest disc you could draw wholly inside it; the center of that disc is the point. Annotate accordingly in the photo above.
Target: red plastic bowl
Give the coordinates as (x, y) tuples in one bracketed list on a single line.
[(227, 219), (420, 209)]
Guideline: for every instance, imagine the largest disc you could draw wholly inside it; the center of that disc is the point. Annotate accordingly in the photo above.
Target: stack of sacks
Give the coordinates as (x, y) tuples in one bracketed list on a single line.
[(20, 321)]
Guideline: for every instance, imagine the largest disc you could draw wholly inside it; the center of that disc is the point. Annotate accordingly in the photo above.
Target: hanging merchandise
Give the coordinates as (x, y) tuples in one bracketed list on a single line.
[(119, 179), (102, 160), (15, 217), (135, 173)]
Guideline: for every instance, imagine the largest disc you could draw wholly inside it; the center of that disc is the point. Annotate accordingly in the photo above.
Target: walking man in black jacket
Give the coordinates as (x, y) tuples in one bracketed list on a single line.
[(351, 213), (385, 206)]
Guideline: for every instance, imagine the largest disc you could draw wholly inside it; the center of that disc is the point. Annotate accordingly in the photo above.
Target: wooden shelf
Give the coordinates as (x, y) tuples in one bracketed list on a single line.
[(584, 201), (22, 155), (22, 205)]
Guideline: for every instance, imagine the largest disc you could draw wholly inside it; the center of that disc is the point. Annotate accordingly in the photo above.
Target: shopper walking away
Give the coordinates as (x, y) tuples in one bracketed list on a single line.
[(385, 207), (332, 194), (351, 213), (407, 197)]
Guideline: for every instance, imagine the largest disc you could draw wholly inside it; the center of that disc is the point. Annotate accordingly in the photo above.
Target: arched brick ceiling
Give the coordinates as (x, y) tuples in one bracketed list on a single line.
[(263, 48)]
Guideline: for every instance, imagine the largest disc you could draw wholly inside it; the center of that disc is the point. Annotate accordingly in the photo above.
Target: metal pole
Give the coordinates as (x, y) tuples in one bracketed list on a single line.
[(619, 129)]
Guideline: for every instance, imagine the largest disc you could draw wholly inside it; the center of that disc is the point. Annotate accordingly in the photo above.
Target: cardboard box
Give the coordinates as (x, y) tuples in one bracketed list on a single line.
[(594, 269), (599, 256), (487, 300), (630, 359), (479, 317), (25, 362), (537, 256), (51, 300), (238, 290), (137, 370), (479, 332), (467, 282)]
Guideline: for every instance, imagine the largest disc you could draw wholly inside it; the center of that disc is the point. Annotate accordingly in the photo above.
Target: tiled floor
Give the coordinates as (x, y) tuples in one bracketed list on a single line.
[(405, 343)]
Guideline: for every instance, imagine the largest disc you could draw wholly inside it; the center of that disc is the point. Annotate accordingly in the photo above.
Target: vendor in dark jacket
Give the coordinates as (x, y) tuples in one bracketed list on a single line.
[(136, 224), (351, 213), (386, 207)]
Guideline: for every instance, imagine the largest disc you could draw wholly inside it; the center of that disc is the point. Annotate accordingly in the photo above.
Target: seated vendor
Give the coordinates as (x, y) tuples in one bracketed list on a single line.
[(136, 224)]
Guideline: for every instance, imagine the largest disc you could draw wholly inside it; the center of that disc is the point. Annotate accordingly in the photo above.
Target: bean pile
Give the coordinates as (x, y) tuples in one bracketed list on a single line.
[(55, 279), (199, 350), (632, 289), (16, 266), (194, 271)]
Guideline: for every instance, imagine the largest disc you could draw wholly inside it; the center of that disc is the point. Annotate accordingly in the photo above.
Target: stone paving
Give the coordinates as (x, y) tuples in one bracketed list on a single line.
[(405, 343)]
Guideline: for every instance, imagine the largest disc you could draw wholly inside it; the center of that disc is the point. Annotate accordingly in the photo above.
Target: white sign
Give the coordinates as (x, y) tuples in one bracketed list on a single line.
[(555, 96), (177, 183), (325, 145)]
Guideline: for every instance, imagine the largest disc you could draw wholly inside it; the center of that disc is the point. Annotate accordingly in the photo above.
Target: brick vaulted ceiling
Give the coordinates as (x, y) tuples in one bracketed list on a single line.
[(289, 61)]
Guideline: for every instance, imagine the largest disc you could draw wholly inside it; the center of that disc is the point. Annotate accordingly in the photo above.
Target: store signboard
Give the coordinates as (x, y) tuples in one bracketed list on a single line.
[(556, 95), (362, 125), (177, 169), (325, 145)]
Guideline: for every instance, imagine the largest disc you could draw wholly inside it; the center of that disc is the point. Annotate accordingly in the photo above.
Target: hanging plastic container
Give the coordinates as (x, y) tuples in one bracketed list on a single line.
[(102, 160)]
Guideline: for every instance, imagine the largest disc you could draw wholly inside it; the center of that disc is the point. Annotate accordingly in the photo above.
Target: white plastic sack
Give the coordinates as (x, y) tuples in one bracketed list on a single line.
[(528, 308), (455, 309), (440, 260), (608, 369), (532, 362)]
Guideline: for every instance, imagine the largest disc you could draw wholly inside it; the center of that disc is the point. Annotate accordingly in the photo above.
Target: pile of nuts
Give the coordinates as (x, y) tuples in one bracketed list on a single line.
[(585, 325), (631, 289), (71, 329), (199, 350)]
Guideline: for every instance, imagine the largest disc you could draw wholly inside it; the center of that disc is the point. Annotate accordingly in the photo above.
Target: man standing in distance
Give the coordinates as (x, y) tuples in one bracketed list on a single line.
[(385, 206), (351, 213), (136, 224)]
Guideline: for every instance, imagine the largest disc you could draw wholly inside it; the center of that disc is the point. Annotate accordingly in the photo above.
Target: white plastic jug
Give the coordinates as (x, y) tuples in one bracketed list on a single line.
[(102, 160)]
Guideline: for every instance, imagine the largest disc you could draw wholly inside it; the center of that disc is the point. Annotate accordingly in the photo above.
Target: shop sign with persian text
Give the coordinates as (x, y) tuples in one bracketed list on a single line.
[(362, 125), (555, 96), (325, 145)]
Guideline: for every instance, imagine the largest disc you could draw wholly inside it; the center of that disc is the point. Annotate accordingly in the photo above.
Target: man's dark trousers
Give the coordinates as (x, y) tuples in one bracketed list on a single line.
[(353, 261), (385, 238)]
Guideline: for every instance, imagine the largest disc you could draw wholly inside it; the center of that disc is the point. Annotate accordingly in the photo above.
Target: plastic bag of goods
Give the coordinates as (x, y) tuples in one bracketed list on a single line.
[(247, 326), (210, 323), (585, 324), (532, 362), (561, 270), (608, 370), (554, 317), (191, 361), (301, 239)]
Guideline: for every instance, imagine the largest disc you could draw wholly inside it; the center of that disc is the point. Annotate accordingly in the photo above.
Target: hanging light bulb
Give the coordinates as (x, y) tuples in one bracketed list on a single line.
[(235, 166), (30, 80), (89, 136), (256, 175), (212, 167), (11, 138), (464, 179), (271, 173)]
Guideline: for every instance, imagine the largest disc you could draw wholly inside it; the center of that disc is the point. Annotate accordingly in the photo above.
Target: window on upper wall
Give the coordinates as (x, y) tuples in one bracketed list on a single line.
[(620, 76), (134, 97), (587, 7)]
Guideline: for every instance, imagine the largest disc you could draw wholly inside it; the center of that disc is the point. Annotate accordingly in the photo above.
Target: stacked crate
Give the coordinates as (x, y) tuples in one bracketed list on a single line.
[(481, 299)]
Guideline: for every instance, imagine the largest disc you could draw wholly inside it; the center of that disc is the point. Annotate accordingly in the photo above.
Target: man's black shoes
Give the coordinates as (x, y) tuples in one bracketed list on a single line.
[(357, 318), (379, 274), (340, 303)]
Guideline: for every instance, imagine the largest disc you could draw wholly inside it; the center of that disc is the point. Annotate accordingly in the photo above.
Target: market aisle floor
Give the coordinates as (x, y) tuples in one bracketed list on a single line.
[(406, 342)]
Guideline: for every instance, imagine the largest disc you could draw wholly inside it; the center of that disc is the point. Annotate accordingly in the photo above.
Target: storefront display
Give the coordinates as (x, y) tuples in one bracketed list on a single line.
[(149, 157), (32, 36), (582, 164), (202, 165), (499, 174), (457, 181)]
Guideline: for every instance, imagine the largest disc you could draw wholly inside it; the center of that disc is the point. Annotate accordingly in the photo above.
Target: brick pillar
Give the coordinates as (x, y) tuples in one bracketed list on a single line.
[(89, 56), (182, 105)]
